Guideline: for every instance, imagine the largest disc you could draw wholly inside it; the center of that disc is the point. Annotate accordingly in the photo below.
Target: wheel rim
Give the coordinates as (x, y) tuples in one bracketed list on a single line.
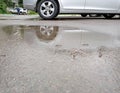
[(46, 30), (47, 8)]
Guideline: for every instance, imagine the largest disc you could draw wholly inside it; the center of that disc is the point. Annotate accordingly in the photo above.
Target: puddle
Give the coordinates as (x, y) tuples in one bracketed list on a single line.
[(27, 63), (63, 37)]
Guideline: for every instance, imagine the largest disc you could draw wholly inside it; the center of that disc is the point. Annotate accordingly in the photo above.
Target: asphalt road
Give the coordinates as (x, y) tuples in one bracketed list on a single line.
[(69, 54)]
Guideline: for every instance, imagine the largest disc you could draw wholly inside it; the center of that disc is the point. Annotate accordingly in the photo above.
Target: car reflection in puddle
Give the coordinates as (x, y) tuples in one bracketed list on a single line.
[(46, 33), (65, 38), (68, 39)]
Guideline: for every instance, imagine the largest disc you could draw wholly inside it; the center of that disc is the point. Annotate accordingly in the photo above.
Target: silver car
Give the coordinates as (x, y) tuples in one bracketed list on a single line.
[(49, 9)]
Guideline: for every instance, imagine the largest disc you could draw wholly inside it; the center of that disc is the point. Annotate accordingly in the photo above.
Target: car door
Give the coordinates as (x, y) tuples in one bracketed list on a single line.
[(102, 5), (71, 4)]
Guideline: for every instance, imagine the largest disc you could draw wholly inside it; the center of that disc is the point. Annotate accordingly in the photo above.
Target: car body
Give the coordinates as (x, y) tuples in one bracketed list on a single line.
[(49, 9), (21, 10)]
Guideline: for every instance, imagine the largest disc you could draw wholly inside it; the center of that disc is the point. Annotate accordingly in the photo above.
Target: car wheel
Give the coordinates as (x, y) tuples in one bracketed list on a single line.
[(48, 9), (84, 15), (47, 33), (109, 16)]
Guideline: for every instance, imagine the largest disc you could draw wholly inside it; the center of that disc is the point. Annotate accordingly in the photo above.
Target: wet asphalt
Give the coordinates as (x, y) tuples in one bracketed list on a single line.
[(69, 54)]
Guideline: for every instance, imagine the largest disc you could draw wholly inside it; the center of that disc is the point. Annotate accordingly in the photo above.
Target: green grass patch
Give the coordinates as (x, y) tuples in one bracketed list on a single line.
[(30, 12)]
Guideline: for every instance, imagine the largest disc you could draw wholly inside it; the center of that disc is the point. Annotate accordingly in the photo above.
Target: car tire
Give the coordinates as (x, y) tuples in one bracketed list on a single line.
[(47, 33), (84, 15), (109, 16), (48, 9)]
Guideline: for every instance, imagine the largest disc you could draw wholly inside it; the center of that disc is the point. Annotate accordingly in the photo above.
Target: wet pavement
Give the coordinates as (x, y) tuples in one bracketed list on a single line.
[(59, 56)]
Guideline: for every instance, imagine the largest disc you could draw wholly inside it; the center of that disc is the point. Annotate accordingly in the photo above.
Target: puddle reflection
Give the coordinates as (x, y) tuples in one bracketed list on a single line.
[(12, 30), (46, 33), (60, 36)]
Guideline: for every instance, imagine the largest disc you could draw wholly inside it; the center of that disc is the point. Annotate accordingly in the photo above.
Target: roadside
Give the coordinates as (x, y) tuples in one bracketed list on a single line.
[(64, 55)]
